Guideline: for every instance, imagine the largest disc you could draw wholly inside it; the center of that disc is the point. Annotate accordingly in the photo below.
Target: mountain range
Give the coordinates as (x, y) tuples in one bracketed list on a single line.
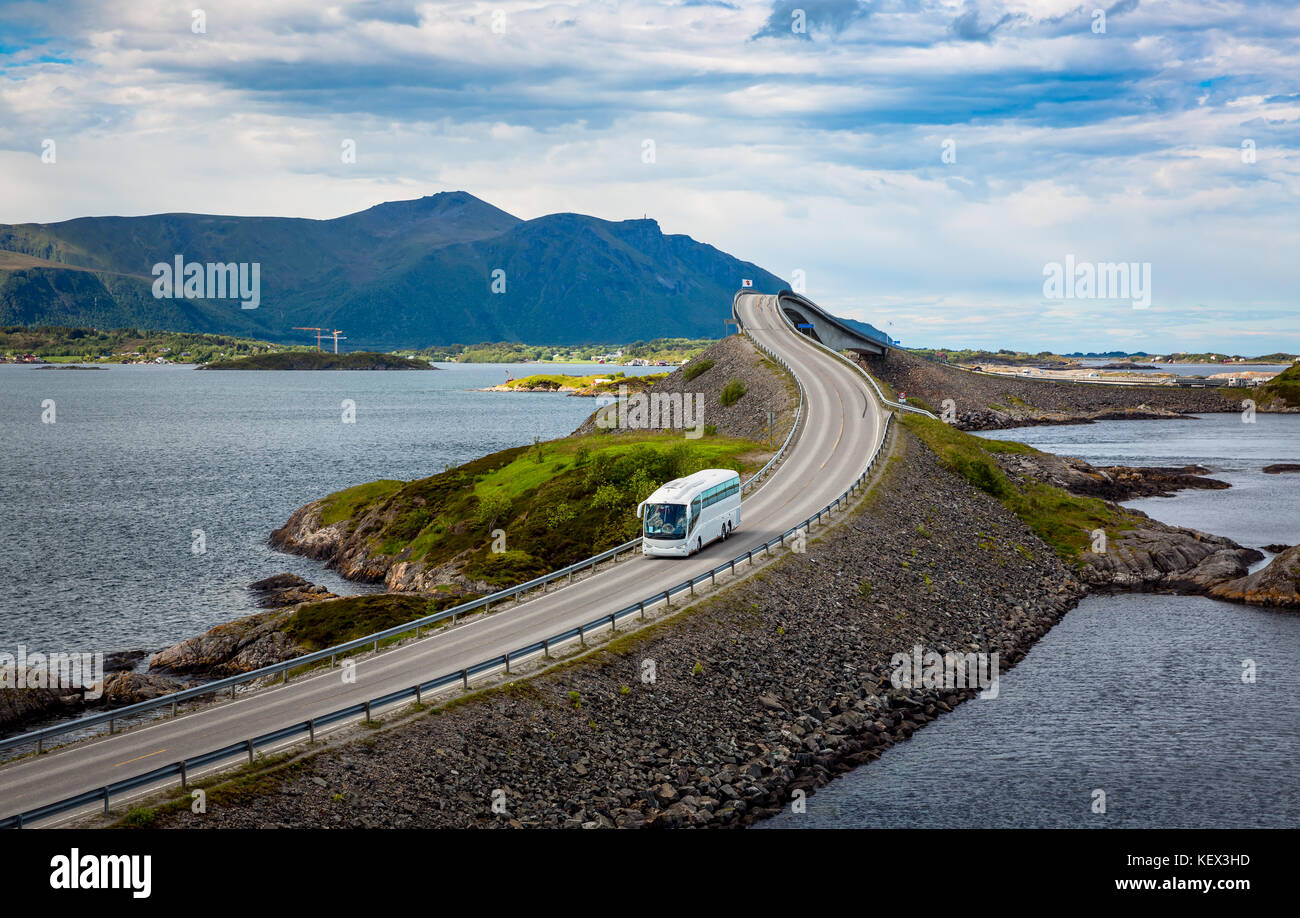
[(442, 269)]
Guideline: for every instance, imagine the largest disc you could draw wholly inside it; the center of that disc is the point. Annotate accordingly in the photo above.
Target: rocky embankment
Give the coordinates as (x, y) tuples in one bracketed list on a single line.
[(767, 389), (995, 402), (776, 686)]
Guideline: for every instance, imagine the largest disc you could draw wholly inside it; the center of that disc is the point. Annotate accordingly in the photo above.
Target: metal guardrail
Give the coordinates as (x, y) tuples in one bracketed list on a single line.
[(484, 603), (248, 747)]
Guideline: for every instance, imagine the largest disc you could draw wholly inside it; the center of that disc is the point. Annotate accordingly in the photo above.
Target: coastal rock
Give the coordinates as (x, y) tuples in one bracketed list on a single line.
[(124, 688), (1155, 556), (287, 590), (1280, 467), (1114, 482), (20, 707), (1278, 584), (234, 647)]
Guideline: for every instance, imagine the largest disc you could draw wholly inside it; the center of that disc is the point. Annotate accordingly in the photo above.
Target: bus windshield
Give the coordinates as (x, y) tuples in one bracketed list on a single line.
[(665, 521)]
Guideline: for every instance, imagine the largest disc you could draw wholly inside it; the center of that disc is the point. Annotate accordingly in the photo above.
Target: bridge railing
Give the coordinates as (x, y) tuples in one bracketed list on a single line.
[(463, 676), (230, 684)]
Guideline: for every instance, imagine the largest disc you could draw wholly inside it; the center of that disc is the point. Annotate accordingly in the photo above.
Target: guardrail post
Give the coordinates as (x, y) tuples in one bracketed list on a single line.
[(376, 647), (311, 730), (713, 577), (173, 709), (250, 751), (367, 712), (332, 660), (40, 740), (417, 632), (507, 662), (105, 801), (613, 622), (546, 648), (419, 696), (184, 776), (110, 726), (582, 637), (464, 679), (284, 676)]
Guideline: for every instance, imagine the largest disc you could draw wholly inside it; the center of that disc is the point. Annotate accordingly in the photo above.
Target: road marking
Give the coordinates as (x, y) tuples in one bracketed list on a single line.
[(139, 757)]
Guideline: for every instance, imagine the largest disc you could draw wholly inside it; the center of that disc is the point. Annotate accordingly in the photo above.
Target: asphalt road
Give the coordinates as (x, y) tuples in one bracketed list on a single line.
[(842, 426)]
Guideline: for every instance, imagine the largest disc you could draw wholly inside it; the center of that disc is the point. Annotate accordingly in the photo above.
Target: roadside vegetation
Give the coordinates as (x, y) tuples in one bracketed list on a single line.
[(1061, 519), (1285, 385)]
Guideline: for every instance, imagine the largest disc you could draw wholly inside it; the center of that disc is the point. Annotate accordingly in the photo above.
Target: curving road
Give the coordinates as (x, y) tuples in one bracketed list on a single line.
[(842, 426)]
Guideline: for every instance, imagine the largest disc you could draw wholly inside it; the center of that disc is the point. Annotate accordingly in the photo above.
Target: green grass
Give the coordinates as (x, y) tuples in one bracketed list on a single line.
[(1061, 519), (1285, 385), (732, 392), (343, 504), (695, 368), (322, 624), (557, 502)]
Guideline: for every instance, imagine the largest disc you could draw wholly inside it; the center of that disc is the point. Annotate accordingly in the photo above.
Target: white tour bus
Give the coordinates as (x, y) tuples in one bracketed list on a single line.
[(688, 513)]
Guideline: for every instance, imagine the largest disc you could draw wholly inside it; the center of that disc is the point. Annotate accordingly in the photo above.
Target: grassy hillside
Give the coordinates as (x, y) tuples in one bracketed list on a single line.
[(1285, 385), (317, 360), (1062, 520), (557, 502)]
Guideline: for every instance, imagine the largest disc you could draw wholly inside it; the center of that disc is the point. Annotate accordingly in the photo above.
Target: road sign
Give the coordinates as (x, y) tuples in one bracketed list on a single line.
[(746, 283)]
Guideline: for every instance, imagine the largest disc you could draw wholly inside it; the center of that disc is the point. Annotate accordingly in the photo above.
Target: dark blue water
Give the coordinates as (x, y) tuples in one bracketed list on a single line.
[(1139, 696), (99, 507)]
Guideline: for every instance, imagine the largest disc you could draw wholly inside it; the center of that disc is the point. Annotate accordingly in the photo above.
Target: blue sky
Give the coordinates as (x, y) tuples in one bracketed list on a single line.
[(820, 151)]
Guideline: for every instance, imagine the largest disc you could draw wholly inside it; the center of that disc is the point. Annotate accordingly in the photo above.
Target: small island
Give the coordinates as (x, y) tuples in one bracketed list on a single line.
[(317, 360)]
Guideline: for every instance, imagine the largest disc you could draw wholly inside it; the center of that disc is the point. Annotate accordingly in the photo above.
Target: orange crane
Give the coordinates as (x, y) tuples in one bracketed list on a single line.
[(322, 333), (314, 328)]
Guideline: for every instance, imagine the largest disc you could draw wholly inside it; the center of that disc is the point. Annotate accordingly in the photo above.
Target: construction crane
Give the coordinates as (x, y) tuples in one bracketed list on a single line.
[(338, 335), (319, 332)]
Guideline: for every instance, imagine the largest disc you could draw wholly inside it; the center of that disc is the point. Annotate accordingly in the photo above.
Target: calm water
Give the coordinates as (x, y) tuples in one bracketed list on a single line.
[(1139, 696), (99, 507)]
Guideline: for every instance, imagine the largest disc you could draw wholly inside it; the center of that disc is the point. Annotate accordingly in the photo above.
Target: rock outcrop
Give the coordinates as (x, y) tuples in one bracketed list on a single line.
[(234, 647), (1156, 556), (1278, 584), (287, 590), (1108, 482), (1280, 467)]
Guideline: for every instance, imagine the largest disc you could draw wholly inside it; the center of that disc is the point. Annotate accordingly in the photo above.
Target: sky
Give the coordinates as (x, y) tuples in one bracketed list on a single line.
[(916, 164)]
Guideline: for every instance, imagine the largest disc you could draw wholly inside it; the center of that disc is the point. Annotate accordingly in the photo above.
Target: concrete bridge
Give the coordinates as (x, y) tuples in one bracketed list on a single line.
[(826, 328)]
